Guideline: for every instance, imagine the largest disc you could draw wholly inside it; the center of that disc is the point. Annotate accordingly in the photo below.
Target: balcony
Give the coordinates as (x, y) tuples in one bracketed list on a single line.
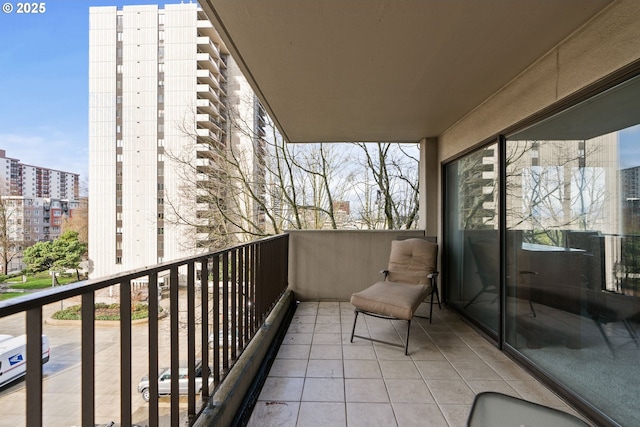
[(313, 374), (206, 61)]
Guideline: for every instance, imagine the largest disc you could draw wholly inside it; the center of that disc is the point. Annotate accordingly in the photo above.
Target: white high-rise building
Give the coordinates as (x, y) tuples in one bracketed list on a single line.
[(158, 89)]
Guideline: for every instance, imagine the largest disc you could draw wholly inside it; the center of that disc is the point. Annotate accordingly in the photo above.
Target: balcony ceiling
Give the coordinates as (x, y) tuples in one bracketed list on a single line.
[(386, 70)]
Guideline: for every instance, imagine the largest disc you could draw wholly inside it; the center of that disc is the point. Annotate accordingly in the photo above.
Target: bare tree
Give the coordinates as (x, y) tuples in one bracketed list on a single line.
[(11, 236), (394, 173)]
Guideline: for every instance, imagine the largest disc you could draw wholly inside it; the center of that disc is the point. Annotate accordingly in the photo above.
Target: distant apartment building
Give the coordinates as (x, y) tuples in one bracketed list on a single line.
[(163, 95), (19, 179), (35, 202)]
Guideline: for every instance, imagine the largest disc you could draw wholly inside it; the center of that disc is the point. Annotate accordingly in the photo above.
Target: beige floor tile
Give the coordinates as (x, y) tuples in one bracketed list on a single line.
[(288, 368), (323, 390), (460, 353), (390, 352), (408, 391), (366, 390), (399, 369), (476, 370), (419, 415), (455, 392), (282, 389), (370, 414), (303, 318), (500, 386), (456, 415), (436, 370), (319, 368), (297, 338), (326, 351), (332, 338), (322, 414), (446, 339), (508, 370), (303, 328), (274, 414), (293, 351), (362, 369), (359, 352), (328, 328), (536, 392), (335, 318)]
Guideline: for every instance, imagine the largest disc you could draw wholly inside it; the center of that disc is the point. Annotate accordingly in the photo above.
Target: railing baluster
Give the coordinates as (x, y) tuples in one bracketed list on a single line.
[(241, 298), (204, 325), (88, 359), (153, 348), (34, 367), (191, 343), (125, 353), (175, 344), (225, 312), (216, 319), (231, 338)]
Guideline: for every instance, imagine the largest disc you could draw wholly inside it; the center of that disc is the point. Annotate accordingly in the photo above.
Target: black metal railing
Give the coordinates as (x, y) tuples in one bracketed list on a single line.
[(235, 288)]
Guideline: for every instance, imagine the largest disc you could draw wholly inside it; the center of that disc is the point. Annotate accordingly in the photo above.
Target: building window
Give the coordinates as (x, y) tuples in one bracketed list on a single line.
[(160, 230), (118, 260)]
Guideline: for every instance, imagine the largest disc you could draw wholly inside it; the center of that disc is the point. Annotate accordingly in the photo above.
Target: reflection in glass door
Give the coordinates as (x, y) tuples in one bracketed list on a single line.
[(471, 240), (572, 215)]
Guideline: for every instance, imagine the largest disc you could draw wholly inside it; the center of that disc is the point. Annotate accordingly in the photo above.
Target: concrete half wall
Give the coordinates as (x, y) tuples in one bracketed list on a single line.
[(330, 265)]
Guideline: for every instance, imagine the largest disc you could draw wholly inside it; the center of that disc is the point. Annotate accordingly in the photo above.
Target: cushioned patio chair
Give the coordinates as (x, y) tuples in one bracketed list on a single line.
[(491, 409), (408, 280)]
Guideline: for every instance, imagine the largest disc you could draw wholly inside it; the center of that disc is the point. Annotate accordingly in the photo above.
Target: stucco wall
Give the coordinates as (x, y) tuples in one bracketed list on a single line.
[(331, 265), (608, 42)]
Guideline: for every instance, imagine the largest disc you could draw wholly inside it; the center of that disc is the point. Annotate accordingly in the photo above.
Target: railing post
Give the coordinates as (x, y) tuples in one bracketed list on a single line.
[(88, 359), (34, 367), (153, 348), (204, 327), (175, 345), (191, 343), (125, 353)]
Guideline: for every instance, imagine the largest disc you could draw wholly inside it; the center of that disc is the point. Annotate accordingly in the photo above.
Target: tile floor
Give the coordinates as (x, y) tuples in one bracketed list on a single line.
[(319, 378)]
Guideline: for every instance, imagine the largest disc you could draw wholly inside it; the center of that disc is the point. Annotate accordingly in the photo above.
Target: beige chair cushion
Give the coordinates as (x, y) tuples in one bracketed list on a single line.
[(399, 300), (412, 260)]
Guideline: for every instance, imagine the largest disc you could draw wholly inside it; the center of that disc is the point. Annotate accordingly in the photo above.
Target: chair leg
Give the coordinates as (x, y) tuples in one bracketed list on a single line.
[(353, 330), (431, 308), (406, 346)]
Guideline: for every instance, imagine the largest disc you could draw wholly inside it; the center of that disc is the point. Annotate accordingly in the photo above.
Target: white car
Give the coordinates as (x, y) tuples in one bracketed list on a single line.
[(164, 381)]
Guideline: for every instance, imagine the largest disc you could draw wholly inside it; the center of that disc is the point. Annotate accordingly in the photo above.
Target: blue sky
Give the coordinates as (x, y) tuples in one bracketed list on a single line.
[(44, 86), (44, 83)]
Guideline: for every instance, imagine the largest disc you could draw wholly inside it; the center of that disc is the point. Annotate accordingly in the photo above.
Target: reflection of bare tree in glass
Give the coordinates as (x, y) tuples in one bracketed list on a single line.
[(551, 188), (477, 189)]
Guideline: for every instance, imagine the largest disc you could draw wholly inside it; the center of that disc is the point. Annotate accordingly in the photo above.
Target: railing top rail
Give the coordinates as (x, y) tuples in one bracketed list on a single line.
[(58, 293)]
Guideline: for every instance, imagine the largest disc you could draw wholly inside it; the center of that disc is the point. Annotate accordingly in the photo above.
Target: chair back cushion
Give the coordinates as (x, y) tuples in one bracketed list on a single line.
[(412, 260)]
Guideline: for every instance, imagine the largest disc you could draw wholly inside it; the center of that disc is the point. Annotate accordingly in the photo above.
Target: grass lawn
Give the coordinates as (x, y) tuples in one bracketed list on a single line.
[(7, 295), (41, 281)]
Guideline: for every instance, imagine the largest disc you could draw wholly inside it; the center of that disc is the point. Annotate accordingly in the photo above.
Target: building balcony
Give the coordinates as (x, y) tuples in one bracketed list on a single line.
[(205, 92), (206, 77), (206, 61), (282, 303), (206, 45)]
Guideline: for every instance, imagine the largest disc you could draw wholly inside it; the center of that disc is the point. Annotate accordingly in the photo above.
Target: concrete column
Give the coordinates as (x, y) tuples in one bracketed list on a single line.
[(429, 186)]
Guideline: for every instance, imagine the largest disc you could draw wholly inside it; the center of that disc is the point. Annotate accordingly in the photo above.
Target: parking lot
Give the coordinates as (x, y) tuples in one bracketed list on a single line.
[(61, 384)]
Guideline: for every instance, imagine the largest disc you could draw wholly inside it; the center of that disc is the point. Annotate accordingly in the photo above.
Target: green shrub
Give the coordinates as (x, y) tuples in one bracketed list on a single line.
[(102, 312)]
